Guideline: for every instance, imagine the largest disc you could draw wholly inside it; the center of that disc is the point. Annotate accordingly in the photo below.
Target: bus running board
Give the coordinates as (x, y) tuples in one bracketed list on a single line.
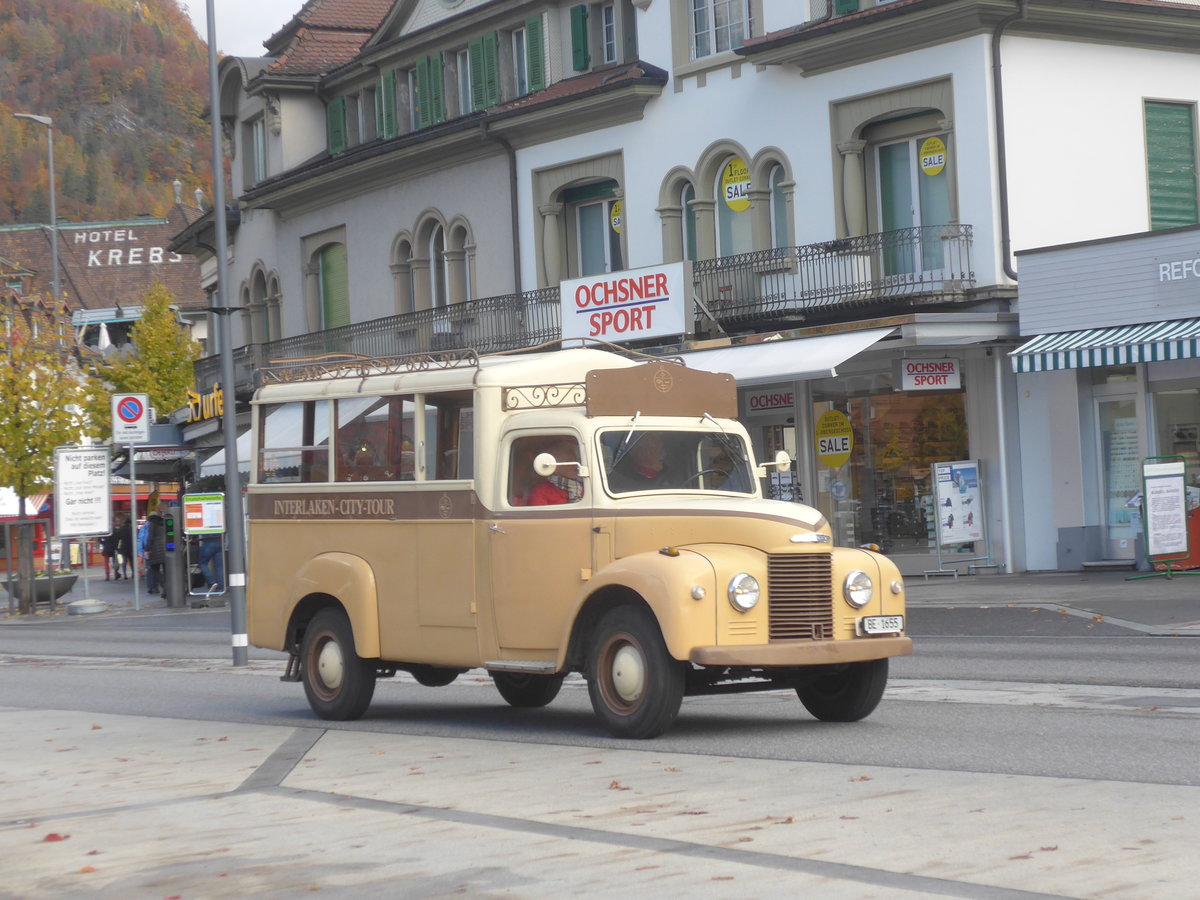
[(529, 666)]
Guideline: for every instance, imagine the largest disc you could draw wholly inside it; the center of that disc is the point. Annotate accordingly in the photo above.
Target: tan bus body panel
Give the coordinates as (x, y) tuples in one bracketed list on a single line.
[(453, 574)]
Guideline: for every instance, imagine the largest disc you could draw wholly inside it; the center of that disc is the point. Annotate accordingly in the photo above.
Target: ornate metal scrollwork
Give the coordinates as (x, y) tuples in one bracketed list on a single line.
[(544, 396)]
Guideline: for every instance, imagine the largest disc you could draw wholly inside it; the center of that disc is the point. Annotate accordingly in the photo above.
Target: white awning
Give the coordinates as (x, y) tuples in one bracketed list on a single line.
[(786, 360)]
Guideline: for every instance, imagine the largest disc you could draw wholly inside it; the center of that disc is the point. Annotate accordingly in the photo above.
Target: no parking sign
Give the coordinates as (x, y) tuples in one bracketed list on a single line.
[(130, 418)]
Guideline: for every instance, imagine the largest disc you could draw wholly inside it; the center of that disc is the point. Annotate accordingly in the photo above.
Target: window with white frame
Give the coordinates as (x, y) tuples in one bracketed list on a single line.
[(718, 26), (463, 72), (779, 212), (520, 62), (608, 33), (255, 135), (735, 231)]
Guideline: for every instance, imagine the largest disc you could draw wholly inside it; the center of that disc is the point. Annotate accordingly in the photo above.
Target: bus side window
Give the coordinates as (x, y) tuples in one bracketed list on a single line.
[(450, 435)]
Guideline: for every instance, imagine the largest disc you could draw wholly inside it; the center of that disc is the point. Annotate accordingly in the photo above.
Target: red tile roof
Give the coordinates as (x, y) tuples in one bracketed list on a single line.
[(589, 81), (315, 52)]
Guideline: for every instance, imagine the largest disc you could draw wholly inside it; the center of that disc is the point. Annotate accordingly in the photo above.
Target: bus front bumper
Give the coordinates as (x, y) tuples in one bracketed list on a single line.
[(802, 653)]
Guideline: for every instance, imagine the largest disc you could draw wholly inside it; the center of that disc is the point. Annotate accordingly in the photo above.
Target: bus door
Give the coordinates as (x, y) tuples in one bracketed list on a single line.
[(541, 550)]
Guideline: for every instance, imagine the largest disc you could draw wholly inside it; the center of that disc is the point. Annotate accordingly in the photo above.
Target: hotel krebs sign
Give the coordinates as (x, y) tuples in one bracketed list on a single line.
[(931, 374)]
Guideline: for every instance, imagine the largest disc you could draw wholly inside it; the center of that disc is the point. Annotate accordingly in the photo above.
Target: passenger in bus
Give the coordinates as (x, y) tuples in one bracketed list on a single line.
[(644, 467), (564, 485)]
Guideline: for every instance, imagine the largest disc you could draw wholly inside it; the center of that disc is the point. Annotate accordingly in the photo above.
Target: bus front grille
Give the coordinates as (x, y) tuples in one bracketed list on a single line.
[(800, 596)]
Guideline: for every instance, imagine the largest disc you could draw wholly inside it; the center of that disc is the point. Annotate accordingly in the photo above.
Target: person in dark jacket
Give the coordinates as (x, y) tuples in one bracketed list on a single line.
[(108, 549), (156, 551), (124, 558)]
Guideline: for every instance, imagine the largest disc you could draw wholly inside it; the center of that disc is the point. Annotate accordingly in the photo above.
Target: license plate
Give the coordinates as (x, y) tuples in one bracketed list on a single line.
[(882, 624)]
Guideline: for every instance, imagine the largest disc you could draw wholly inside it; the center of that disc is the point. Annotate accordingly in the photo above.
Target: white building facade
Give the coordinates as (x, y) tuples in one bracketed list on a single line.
[(850, 187)]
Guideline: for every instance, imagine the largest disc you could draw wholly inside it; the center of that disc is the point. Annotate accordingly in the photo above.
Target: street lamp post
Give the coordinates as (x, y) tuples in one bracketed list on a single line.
[(49, 123)]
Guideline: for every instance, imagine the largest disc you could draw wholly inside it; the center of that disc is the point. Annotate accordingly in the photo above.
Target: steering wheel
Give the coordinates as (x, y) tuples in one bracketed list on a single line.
[(698, 475)]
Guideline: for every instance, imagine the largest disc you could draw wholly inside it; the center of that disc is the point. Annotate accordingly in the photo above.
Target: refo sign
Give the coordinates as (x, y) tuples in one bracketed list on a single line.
[(625, 306), (943, 374)]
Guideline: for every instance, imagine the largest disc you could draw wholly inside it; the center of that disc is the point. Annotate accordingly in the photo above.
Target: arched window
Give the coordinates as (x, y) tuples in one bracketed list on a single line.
[(779, 211), (437, 267), (735, 230), (403, 285), (687, 203)]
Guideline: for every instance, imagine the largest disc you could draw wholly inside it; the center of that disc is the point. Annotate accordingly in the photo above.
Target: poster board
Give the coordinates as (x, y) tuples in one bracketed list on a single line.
[(1165, 502), (958, 502), (82, 491)]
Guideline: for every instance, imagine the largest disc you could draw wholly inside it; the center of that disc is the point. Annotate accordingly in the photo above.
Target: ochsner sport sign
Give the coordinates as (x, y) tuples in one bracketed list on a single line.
[(626, 306)]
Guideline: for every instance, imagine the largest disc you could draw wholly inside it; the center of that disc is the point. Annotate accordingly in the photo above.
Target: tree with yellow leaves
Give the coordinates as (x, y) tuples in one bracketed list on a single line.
[(43, 392), (162, 355)]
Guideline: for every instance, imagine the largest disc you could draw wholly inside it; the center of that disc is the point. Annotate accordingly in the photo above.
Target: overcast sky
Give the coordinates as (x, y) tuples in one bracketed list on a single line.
[(242, 25)]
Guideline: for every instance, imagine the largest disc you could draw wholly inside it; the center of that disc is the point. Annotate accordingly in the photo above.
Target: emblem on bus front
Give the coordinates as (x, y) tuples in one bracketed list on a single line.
[(664, 380), (445, 506)]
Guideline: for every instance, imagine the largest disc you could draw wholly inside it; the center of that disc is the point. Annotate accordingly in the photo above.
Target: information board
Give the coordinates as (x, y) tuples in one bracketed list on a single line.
[(82, 491), (203, 513), (1165, 494), (958, 502)]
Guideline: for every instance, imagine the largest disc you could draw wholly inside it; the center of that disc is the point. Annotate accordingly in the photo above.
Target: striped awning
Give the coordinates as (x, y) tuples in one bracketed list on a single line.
[(1154, 342)]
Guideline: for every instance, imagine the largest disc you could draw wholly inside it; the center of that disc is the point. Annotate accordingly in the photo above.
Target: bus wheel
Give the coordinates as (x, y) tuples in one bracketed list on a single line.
[(527, 691), (845, 693), (634, 684), (338, 683)]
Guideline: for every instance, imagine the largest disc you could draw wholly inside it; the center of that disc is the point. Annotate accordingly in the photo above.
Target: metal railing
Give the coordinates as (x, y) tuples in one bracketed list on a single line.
[(925, 264), (487, 325), (917, 265)]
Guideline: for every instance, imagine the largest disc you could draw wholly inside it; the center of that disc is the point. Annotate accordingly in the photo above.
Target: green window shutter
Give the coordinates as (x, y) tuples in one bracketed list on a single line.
[(386, 98), (422, 100), (535, 53), (335, 119), (335, 287), (844, 7), (485, 70), (437, 90), (1171, 164), (580, 58), (491, 69)]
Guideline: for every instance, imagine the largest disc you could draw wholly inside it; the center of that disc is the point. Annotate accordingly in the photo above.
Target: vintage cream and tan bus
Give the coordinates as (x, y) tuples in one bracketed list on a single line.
[(540, 514)]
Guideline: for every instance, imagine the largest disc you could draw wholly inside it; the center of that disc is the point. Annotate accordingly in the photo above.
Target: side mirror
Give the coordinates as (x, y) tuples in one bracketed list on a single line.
[(544, 464), (781, 463)]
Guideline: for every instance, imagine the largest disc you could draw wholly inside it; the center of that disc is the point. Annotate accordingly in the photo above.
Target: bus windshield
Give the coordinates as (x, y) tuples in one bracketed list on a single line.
[(650, 460)]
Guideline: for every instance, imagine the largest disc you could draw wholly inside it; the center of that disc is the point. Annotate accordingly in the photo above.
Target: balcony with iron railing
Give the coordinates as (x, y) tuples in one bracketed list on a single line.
[(816, 282)]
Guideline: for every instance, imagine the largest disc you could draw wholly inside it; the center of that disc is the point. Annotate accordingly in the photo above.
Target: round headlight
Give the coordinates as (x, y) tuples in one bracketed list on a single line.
[(743, 592), (858, 589)]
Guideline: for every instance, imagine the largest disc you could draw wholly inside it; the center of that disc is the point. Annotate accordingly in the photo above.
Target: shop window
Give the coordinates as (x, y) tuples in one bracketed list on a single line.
[(884, 493), (1177, 418)]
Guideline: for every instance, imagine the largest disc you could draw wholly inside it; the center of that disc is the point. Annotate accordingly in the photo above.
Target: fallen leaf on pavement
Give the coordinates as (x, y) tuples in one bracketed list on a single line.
[(617, 786), (87, 869), (54, 836)]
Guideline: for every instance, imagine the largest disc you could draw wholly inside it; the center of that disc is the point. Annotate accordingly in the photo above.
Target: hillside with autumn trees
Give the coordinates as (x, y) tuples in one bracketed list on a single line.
[(126, 83)]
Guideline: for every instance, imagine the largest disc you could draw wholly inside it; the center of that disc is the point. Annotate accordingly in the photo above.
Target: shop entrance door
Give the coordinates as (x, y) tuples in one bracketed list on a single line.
[(1120, 472)]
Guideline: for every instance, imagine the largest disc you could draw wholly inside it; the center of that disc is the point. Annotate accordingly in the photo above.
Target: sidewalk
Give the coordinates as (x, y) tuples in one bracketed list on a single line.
[(1158, 606), (108, 806)]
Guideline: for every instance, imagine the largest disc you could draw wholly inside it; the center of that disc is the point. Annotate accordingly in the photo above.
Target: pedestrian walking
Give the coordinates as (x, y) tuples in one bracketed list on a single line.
[(211, 563), (155, 551), (108, 549), (125, 547)]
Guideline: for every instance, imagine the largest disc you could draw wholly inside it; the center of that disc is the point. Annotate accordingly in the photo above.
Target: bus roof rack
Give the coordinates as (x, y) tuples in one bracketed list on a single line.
[(354, 365)]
